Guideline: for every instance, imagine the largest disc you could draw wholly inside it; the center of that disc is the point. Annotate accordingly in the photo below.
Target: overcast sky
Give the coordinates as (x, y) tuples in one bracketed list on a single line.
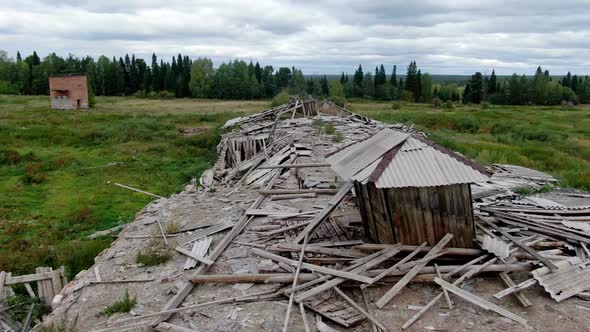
[(321, 37)]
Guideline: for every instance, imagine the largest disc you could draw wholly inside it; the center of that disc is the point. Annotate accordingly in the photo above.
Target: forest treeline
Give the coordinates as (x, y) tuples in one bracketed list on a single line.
[(237, 79)]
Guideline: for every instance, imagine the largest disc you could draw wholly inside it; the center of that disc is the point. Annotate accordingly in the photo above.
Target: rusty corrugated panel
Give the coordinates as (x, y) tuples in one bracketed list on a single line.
[(355, 158), (571, 277)]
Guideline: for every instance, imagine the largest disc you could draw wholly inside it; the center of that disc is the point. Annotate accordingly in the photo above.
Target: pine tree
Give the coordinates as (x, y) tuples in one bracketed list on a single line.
[(394, 76), (492, 83), (467, 94), (19, 59), (342, 79)]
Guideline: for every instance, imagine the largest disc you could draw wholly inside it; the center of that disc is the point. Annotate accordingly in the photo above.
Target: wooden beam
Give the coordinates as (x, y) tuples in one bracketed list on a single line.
[(317, 220), (2, 280), (480, 302), (524, 301), (298, 191), (291, 196), (445, 292), (167, 327), (137, 190), (394, 267), (361, 310), (413, 272), (516, 288), (523, 246), (297, 272), (302, 165), (312, 267), (337, 281)]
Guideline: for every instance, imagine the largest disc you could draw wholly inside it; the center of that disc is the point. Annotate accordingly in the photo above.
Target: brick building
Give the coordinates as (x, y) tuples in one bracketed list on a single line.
[(68, 91)]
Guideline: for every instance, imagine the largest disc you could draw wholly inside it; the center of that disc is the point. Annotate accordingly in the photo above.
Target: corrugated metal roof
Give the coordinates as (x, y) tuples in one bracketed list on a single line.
[(571, 277), (416, 164), (495, 246), (355, 158)]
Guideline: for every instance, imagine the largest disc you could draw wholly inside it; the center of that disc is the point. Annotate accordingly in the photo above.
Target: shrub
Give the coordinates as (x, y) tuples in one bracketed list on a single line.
[(317, 123), (436, 102), (152, 256), (9, 157), (485, 105), (165, 94), (329, 129), (124, 305), (338, 137), (396, 105), (20, 305), (467, 124), (280, 99), (449, 105), (34, 173), (91, 97), (339, 100)]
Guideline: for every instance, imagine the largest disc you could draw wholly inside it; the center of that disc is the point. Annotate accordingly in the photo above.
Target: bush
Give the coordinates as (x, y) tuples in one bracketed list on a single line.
[(124, 305), (338, 137), (449, 105), (396, 106), (34, 173), (485, 105), (436, 102), (467, 124), (329, 129), (280, 99), (152, 256), (9, 157)]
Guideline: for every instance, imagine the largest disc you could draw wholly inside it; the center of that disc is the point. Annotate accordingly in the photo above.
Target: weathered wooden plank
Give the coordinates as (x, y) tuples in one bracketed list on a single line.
[(302, 165), (480, 302), (2, 280), (197, 235), (361, 310), (312, 267), (516, 288), (526, 248), (325, 212), (524, 301), (167, 327), (337, 281), (413, 272), (394, 267), (445, 292)]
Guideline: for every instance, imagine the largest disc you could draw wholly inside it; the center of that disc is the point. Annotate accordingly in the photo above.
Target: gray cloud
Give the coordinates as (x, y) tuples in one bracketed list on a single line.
[(320, 36)]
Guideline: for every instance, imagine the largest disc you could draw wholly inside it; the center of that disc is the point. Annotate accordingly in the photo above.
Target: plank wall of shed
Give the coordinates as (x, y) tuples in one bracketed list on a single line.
[(415, 215)]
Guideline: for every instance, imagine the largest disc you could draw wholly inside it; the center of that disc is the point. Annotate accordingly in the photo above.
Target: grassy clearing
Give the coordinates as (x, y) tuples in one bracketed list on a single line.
[(551, 139), (54, 169)]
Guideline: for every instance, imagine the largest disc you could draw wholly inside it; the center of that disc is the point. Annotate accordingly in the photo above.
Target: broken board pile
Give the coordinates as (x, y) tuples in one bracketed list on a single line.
[(305, 234)]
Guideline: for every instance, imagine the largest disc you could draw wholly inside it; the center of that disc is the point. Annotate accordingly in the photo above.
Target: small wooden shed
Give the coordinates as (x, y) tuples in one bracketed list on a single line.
[(411, 190)]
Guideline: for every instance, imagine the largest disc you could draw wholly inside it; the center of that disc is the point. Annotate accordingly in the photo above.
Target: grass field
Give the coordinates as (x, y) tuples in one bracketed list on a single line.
[(555, 140), (54, 187)]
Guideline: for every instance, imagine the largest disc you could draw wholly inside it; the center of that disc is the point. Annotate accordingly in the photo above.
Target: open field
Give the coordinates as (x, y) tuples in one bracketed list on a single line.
[(54, 191), (54, 187), (555, 140)]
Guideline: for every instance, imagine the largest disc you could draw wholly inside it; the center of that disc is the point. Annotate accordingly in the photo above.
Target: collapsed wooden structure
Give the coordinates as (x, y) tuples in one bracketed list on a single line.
[(411, 190), (303, 228)]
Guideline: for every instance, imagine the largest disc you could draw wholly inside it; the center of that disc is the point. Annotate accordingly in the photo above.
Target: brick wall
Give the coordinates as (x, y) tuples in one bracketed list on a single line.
[(68, 92)]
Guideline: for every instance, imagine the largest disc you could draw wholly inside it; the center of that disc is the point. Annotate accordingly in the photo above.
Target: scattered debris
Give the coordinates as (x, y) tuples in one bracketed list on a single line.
[(273, 220)]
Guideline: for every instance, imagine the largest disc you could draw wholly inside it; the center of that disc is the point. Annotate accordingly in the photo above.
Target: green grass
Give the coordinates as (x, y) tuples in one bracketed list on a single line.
[(550, 139), (124, 305), (54, 188), (152, 257)]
